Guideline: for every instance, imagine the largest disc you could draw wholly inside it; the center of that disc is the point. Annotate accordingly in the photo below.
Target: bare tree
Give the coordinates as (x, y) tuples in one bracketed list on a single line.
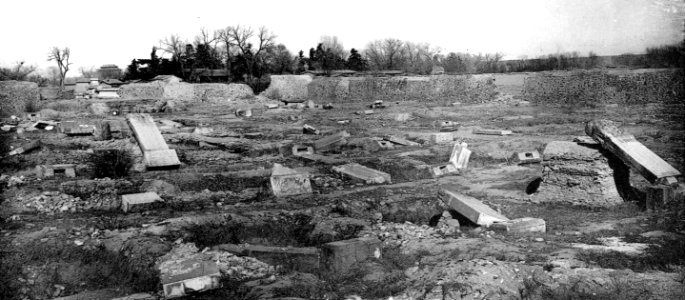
[(243, 38), (19, 72), (384, 54), (88, 72), (61, 56), (226, 37), (332, 44)]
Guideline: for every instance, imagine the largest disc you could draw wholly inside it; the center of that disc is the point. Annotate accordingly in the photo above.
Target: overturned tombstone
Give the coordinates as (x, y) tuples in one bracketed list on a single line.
[(631, 152), (471, 208), (363, 174), (288, 182), (332, 141), (581, 175), (460, 155), (156, 153)]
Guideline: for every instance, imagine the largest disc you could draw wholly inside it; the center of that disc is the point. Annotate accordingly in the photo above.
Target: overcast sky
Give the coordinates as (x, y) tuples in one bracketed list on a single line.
[(115, 32)]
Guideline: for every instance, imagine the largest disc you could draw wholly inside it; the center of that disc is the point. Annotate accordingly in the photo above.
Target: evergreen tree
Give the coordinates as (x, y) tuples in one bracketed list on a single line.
[(356, 61)]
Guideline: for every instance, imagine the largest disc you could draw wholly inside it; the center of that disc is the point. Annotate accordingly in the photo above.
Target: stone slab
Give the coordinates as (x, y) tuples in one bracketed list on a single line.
[(190, 276), (444, 170), (442, 137), (460, 155), (492, 131), (300, 149), (400, 141), (364, 174), (132, 202), (471, 208), (527, 157), (146, 132), (158, 159), (331, 141), (521, 225), (340, 256), (72, 128)]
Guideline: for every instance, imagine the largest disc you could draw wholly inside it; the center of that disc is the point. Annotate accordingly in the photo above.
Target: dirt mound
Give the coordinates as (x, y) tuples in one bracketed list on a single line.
[(219, 92), (288, 87), (462, 88), (16, 96)]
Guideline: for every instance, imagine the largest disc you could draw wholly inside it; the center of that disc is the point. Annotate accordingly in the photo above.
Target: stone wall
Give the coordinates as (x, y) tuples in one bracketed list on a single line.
[(211, 92), (605, 87), (15, 96), (453, 88), (288, 87)]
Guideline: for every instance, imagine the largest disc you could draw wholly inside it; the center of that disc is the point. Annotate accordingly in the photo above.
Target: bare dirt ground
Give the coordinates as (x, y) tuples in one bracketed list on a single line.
[(220, 195)]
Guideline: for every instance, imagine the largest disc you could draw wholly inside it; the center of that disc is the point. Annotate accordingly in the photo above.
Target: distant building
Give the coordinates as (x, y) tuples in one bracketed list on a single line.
[(109, 72)]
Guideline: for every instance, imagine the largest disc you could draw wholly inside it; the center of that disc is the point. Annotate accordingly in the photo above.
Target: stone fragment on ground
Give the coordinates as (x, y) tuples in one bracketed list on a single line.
[(471, 208)]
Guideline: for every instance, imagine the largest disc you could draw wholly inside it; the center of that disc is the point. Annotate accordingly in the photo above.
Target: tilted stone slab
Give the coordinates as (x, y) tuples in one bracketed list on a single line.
[(362, 173), (331, 141), (146, 132), (400, 141), (630, 151), (471, 208), (161, 159), (460, 155)]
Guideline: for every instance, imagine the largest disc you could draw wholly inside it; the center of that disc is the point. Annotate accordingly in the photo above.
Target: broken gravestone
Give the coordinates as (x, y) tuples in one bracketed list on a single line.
[(288, 182)]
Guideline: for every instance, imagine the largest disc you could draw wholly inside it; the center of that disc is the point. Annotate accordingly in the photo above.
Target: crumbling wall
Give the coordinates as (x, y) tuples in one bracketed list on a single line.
[(212, 92), (461, 88), (288, 87), (604, 87), (581, 175), (15, 96)]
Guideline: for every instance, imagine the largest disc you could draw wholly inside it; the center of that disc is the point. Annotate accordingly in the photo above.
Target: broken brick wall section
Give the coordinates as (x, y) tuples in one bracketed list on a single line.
[(182, 91), (605, 87), (16, 96), (462, 88)]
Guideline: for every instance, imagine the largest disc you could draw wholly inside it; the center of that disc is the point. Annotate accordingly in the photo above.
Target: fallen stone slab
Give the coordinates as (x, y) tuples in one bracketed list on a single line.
[(442, 137), (471, 208), (523, 158), (156, 153), (271, 105), (340, 256), (327, 160), (492, 131), (460, 155), (631, 152), (400, 141), (301, 259), (48, 171), (331, 141), (308, 129), (139, 201), (521, 225), (25, 147), (362, 173), (189, 276), (289, 182), (585, 140), (72, 128), (365, 112), (444, 170), (385, 145)]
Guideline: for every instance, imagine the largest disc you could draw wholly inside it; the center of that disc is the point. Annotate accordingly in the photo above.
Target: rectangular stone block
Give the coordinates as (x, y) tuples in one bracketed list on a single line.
[(400, 141), (47, 171), (146, 132), (471, 208), (288, 182), (527, 157), (362, 173), (72, 128), (190, 276), (160, 159), (444, 170), (26, 147), (331, 141), (308, 129), (139, 201), (442, 137), (299, 150), (340, 256), (521, 225)]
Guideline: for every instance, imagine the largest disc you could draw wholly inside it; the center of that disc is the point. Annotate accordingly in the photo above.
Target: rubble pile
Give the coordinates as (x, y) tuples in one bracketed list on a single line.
[(394, 234), (53, 202)]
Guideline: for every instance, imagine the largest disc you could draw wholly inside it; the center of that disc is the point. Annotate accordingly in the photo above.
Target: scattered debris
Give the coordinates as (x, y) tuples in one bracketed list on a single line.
[(460, 155), (364, 174), (139, 201), (188, 276), (471, 208), (526, 157), (492, 131), (303, 259), (614, 244), (288, 182), (521, 225), (327, 160), (444, 170), (631, 152)]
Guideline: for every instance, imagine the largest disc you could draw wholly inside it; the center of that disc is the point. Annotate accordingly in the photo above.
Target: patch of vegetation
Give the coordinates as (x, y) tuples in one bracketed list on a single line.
[(113, 163), (97, 268)]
